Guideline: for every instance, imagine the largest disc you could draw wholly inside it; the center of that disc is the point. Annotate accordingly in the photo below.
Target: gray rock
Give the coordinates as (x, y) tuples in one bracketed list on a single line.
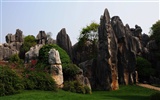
[(33, 53), (82, 79), (19, 36), (56, 67), (54, 57), (107, 76), (41, 37), (64, 42), (10, 38)]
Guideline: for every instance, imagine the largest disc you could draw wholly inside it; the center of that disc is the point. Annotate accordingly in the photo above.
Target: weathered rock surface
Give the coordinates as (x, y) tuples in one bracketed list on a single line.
[(82, 79), (106, 74), (82, 54), (19, 36), (12, 46), (64, 42), (33, 53), (56, 67), (41, 37)]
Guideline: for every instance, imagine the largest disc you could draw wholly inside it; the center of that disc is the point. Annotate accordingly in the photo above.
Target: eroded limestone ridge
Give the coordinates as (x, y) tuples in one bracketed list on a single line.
[(14, 42)]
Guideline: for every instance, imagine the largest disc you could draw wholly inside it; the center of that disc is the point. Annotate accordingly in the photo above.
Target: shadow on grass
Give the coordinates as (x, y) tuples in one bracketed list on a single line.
[(127, 97)]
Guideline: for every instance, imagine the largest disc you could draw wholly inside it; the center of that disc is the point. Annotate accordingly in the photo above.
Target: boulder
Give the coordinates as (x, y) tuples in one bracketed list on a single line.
[(56, 67), (41, 37), (19, 36), (10, 38), (82, 79), (33, 53), (64, 41)]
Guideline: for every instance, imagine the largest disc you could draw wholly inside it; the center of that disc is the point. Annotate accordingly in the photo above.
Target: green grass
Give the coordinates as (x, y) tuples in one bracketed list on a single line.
[(124, 93)]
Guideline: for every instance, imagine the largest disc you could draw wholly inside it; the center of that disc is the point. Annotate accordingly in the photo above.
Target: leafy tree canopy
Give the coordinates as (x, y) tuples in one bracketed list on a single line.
[(155, 31), (90, 32)]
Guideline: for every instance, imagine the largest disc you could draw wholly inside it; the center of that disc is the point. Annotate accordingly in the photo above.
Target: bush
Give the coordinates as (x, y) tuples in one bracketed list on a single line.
[(14, 58), (75, 86), (155, 96), (144, 68), (29, 41), (69, 71), (39, 80), (10, 82), (43, 54)]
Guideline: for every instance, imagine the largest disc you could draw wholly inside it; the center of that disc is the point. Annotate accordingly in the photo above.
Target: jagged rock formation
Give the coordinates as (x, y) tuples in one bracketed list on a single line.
[(33, 53), (41, 37), (64, 42), (117, 50), (107, 75), (12, 46), (56, 67), (128, 47)]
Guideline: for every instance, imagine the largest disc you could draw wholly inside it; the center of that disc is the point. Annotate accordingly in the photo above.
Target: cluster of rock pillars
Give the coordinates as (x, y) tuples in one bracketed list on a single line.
[(117, 46)]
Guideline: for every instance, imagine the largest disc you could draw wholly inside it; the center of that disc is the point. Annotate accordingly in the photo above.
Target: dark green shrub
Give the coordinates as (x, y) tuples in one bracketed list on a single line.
[(39, 80), (155, 96), (75, 86), (144, 68), (14, 58), (43, 54), (10, 82), (29, 41), (69, 71)]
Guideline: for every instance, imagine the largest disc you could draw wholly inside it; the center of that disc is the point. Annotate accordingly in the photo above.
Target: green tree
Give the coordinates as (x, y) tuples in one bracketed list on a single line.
[(87, 41), (155, 32), (90, 32), (29, 41)]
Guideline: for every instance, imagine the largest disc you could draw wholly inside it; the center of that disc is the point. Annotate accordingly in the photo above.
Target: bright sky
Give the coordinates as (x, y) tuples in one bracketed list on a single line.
[(31, 16)]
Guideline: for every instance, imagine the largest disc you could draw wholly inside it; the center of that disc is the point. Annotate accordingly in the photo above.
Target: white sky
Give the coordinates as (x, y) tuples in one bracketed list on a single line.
[(32, 16)]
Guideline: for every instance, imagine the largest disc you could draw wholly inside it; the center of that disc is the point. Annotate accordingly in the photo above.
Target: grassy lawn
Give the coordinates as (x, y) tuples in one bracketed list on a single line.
[(124, 93)]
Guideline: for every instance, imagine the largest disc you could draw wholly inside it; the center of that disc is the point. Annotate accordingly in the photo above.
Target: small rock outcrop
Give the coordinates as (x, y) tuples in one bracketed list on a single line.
[(64, 42), (82, 79), (33, 53), (56, 67), (41, 37), (12, 46)]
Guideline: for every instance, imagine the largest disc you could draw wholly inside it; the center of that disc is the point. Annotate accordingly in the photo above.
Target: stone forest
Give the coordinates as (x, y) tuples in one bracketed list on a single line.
[(119, 55)]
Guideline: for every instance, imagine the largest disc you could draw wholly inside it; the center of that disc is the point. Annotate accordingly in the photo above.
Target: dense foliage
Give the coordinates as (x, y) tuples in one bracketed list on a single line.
[(155, 31), (43, 54), (90, 32), (144, 68), (10, 82), (75, 86), (38, 80), (14, 58), (29, 41), (70, 71)]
